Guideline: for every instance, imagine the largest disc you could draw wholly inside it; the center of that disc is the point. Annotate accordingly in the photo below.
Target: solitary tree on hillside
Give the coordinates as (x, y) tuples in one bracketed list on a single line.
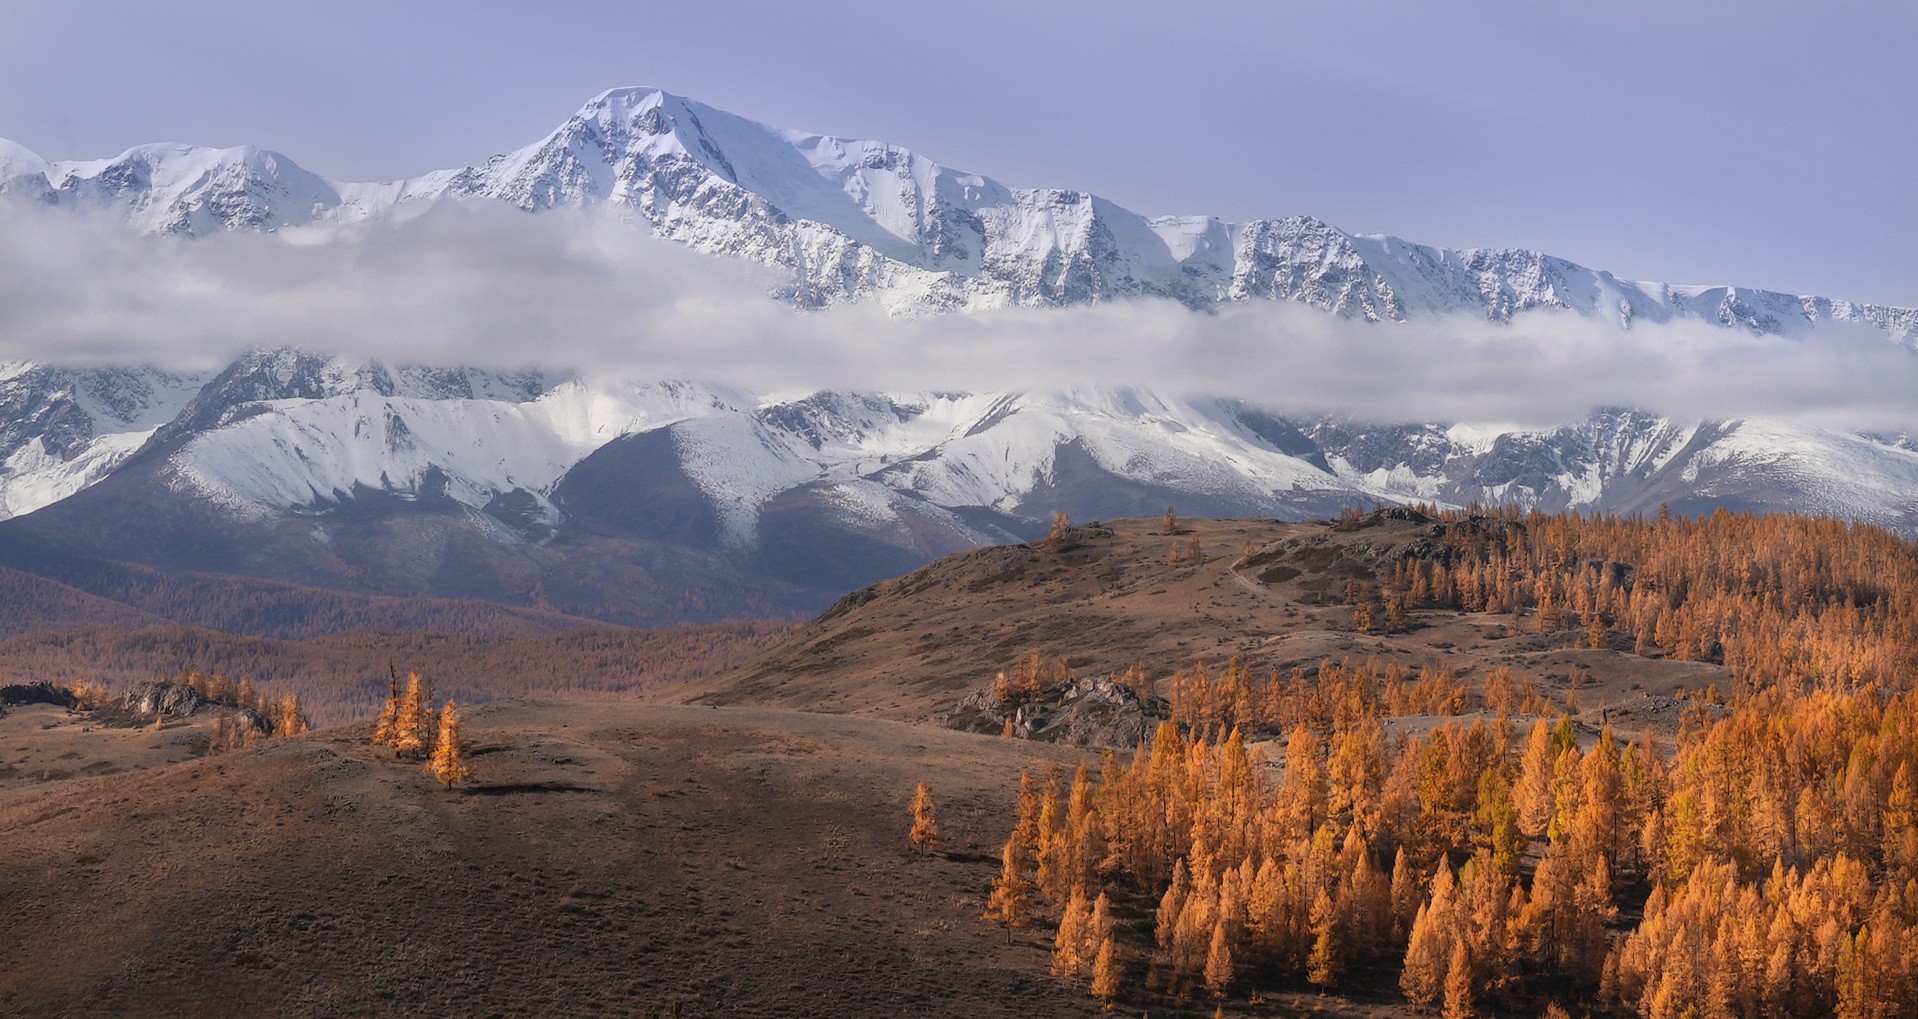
[(1061, 527), (925, 826), (1171, 521), (447, 765)]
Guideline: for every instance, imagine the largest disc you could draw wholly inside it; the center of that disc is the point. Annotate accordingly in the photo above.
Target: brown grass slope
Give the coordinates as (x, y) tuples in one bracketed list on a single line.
[(733, 855), (1267, 591), (609, 857), (120, 593), (341, 677)]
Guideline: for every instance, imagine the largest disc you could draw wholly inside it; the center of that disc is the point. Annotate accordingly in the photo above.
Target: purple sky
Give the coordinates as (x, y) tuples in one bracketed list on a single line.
[(1757, 143)]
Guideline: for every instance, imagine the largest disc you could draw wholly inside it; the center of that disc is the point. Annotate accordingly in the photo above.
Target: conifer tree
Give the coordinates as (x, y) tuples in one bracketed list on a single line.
[(1011, 902), (925, 826), (386, 729), (1327, 960), (448, 765), (1532, 796), (410, 732), (1429, 950), (1218, 961), (1101, 923), (1060, 532), (1171, 905), (1106, 971), (1069, 960), (1458, 986), (292, 720), (1405, 894)]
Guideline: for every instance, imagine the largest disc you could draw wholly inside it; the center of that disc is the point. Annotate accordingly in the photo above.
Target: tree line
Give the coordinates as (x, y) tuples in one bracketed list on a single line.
[(1760, 862), (1779, 599)]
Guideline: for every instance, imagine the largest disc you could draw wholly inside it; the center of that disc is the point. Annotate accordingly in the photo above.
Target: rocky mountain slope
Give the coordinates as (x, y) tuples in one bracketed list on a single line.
[(649, 500)]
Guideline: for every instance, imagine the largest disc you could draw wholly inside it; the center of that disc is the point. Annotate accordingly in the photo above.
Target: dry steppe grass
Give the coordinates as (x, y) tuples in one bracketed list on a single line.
[(608, 858)]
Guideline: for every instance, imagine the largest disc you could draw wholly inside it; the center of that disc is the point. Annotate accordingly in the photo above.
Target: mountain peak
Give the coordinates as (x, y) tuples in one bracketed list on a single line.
[(855, 220), (16, 160), (626, 102)]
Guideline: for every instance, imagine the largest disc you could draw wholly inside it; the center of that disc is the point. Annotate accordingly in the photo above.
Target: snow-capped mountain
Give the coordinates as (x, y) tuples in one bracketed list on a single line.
[(650, 500), (643, 501), (853, 220), (64, 429)]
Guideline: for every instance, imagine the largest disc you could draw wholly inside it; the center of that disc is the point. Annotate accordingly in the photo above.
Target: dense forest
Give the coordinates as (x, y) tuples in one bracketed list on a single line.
[(1758, 859)]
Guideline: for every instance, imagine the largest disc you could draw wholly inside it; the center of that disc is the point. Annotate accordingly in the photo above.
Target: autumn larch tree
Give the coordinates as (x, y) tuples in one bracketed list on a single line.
[(1060, 531), (1458, 986), (1106, 972), (447, 764), (1218, 961), (386, 729), (1069, 960), (1171, 521), (1011, 903), (410, 732), (925, 826)]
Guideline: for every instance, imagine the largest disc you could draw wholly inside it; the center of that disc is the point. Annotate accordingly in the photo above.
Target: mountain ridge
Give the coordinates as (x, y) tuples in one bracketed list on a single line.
[(640, 501), (853, 219)]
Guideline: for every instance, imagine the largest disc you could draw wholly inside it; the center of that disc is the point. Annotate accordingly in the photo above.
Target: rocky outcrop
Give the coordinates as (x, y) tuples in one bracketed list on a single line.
[(1092, 711), (144, 701), (19, 694)]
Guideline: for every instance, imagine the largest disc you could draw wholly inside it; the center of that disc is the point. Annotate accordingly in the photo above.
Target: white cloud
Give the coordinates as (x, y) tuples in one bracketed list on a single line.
[(494, 287)]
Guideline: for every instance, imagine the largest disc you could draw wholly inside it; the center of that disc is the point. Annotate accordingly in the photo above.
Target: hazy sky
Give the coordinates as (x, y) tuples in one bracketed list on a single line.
[(1763, 144)]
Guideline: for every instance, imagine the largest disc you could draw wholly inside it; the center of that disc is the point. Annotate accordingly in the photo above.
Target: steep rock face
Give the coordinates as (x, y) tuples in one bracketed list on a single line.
[(63, 429)]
